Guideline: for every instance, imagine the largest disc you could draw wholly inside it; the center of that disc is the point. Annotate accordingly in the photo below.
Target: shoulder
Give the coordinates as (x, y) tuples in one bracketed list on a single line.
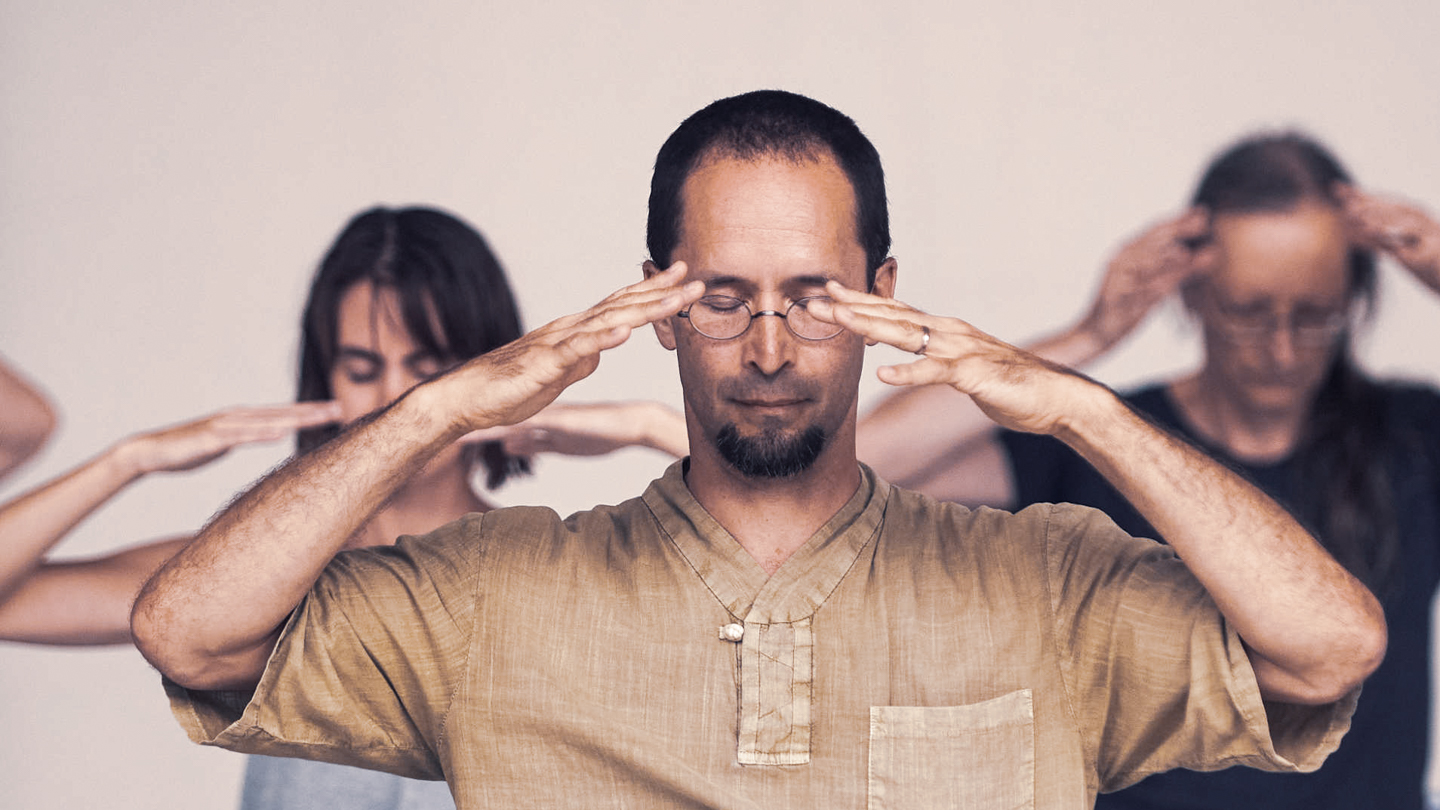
[(1409, 398), (1405, 416), (531, 532), (1024, 532)]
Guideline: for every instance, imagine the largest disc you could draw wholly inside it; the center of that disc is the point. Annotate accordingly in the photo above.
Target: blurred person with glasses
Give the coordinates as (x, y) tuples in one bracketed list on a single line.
[(1276, 260)]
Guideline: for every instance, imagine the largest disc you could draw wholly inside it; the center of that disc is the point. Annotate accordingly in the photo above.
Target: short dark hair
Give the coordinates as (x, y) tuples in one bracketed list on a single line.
[(1276, 171), (769, 123), (454, 299)]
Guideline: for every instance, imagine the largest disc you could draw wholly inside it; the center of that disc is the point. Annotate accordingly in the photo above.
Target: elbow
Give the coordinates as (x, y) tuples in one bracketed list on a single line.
[(158, 635), (181, 654), (1369, 648), (1331, 671), (152, 630), (1365, 649), (43, 427), (1344, 669)]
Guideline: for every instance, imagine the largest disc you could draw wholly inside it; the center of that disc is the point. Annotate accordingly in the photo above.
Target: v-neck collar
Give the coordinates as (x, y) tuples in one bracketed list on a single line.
[(801, 584)]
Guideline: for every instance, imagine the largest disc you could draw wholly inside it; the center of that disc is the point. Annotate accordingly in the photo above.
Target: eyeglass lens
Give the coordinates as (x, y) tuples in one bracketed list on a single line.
[(1309, 327), (722, 317)]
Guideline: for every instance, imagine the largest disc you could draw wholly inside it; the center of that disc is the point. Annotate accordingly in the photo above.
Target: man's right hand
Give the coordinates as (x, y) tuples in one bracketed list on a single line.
[(210, 617), (513, 382)]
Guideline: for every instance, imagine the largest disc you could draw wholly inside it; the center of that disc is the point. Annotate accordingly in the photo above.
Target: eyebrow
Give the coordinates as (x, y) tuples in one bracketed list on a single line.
[(357, 353), (807, 280)]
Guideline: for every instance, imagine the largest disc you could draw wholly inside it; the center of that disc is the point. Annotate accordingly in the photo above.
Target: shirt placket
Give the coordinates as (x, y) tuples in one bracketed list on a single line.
[(771, 618), (776, 675)]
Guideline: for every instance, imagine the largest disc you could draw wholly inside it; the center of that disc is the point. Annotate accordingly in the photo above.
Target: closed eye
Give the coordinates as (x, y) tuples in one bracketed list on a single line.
[(721, 303)]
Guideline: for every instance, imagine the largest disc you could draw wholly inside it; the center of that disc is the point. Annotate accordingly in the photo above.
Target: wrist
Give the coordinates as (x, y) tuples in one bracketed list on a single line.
[(426, 412), (125, 460), (1097, 418)]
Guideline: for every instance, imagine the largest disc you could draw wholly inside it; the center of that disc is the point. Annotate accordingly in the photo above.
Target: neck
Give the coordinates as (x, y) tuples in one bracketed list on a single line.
[(772, 518), (428, 501), (1247, 433)]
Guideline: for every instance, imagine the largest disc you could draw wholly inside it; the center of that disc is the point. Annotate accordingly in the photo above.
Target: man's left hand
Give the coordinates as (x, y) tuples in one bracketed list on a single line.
[(1017, 389)]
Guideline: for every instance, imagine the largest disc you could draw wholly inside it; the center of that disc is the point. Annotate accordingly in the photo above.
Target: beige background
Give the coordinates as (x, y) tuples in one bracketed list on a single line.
[(170, 173)]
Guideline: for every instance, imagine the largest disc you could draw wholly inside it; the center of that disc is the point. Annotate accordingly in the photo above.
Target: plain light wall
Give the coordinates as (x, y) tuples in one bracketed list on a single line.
[(171, 172)]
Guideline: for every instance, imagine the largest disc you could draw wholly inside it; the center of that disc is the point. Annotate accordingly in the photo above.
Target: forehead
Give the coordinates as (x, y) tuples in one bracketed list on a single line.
[(371, 316), (769, 219), (1302, 253)]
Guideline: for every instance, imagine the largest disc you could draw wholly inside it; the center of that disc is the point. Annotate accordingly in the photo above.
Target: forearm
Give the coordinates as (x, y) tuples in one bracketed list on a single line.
[(33, 523), (1313, 631), (82, 602), (210, 616)]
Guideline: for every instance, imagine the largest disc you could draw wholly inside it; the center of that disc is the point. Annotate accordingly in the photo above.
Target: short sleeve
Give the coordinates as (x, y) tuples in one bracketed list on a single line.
[(1157, 677), (365, 668)]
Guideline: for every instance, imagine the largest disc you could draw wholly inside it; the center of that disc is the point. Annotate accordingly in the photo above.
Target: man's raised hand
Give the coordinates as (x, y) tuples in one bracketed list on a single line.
[(513, 382)]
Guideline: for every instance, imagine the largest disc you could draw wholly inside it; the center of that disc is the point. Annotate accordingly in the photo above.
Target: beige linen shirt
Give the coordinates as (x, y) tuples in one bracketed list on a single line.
[(913, 654)]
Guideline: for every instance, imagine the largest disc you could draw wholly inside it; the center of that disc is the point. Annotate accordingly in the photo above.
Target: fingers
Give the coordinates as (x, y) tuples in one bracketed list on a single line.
[(609, 323), (584, 429), (1193, 224), (884, 320), (515, 381), (1162, 255), (238, 426), (1381, 223), (200, 441)]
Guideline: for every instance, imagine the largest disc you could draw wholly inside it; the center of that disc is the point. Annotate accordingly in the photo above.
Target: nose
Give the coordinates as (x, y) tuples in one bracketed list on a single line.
[(393, 383), (1282, 346), (769, 344)]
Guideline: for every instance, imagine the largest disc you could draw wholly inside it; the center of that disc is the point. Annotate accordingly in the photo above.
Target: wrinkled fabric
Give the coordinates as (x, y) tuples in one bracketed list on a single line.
[(910, 654)]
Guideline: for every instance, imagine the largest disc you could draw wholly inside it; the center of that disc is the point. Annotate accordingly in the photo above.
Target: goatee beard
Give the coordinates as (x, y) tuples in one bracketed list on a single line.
[(771, 454)]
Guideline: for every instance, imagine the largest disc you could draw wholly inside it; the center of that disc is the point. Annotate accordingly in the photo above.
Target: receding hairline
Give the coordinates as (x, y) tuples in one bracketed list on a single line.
[(816, 153)]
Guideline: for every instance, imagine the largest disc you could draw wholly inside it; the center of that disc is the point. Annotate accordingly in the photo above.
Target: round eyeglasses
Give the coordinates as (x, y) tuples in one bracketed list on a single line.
[(1309, 328), (721, 317)]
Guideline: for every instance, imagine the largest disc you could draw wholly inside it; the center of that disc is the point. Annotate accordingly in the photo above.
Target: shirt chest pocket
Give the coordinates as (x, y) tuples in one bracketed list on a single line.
[(976, 756)]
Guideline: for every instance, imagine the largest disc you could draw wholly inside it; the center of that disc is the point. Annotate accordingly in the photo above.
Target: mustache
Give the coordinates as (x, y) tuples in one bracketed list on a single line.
[(752, 389)]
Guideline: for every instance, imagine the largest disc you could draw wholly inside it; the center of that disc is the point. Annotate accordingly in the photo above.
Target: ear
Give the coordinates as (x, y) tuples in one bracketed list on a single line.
[(665, 327), (884, 285)]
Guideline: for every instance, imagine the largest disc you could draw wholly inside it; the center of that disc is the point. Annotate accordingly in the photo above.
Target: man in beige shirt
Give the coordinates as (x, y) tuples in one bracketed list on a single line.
[(769, 624)]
